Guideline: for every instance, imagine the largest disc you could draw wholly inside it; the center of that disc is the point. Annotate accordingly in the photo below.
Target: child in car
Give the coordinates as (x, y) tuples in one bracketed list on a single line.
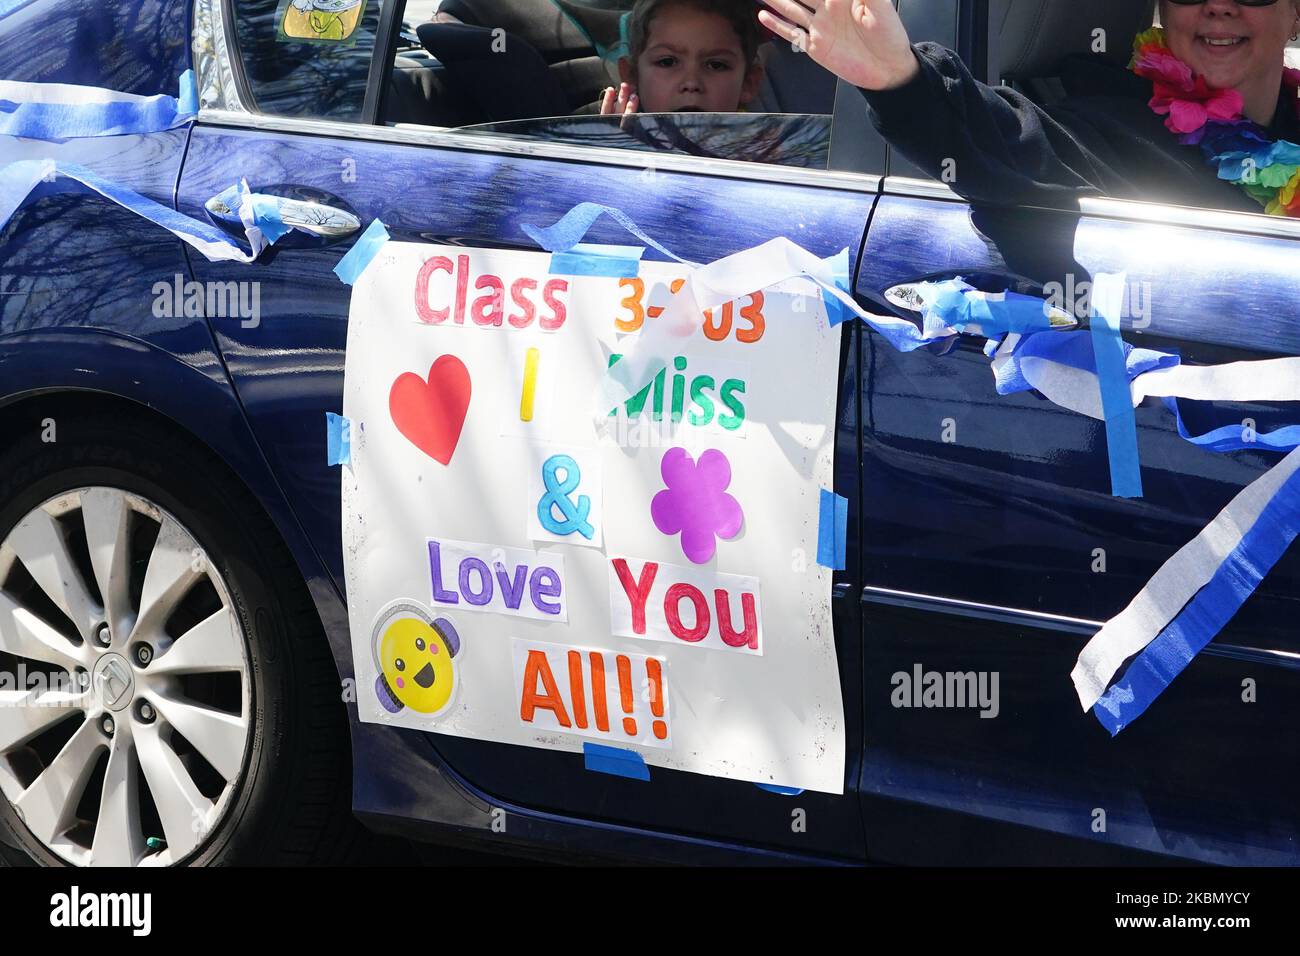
[(688, 55)]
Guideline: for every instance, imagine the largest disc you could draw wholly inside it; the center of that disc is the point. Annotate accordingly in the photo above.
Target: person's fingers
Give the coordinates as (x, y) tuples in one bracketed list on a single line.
[(607, 101), (781, 28), (633, 103), (791, 10), (627, 121), (624, 91)]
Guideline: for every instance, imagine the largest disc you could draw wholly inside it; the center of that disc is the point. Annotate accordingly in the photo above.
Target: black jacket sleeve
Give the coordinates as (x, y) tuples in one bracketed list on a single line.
[(991, 143)]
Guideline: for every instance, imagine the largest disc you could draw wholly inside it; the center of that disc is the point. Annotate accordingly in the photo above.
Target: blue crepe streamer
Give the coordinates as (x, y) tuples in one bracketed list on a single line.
[(59, 121), (363, 250), (832, 530), (1207, 613), (615, 761), (16, 188), (1117, 403), (338, 439), (1076, 350), (1233, 437), (588, 259), (782, 791), (574, 224)]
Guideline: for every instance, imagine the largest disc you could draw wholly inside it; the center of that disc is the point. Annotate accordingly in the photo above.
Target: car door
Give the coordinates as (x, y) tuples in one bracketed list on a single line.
[(439, 186), (993, 546)]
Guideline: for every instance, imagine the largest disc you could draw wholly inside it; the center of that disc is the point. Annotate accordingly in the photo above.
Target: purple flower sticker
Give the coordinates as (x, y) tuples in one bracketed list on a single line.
[(695, 503)]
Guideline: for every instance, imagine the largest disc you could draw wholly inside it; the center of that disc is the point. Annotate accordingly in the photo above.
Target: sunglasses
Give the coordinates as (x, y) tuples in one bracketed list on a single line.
[(1243, 3)]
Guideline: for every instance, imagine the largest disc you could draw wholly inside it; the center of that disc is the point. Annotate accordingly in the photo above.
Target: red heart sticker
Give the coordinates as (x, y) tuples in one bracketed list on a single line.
[(431, 413)]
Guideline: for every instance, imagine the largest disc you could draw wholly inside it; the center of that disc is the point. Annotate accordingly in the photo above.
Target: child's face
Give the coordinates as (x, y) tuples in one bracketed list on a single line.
[(692, 61)]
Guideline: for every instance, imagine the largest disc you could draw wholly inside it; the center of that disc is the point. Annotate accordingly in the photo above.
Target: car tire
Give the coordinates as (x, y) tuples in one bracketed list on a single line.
[(291, 802)]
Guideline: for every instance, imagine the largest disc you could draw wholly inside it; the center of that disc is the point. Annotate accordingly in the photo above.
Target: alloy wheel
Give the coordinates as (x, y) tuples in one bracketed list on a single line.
[(125, 697)]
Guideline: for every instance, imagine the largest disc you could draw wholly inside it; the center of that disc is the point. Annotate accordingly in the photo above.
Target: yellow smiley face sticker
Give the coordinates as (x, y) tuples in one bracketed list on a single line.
[(416, 658)]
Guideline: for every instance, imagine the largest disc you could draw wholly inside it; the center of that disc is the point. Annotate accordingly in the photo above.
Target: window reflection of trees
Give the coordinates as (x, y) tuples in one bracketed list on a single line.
[(775, 139)]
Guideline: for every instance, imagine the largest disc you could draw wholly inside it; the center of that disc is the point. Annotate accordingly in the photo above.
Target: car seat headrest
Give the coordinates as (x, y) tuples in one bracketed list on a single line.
[(1029, 38), (505, 80)]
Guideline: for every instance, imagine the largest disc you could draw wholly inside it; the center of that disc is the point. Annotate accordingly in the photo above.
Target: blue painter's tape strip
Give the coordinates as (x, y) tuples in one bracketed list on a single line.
[(587, 259), (266, 216), (59, 116), (832, 530), (574, 224), (1237, 437), (616, 761), (1117, 403), (837, 313), (188, 101), (363, 250), (783, 791), (338, 439), (1207, 613), (955, 304)]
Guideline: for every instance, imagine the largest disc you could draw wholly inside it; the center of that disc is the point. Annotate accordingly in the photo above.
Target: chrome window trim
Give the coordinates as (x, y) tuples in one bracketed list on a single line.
[(929, 602), (408, 135), (1040, 620), (1255, 224), (1126, 210), (919, 189), (209, 45)]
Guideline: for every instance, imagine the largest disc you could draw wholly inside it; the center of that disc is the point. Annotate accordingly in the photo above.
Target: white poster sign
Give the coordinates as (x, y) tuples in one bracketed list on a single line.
[(542, 579)]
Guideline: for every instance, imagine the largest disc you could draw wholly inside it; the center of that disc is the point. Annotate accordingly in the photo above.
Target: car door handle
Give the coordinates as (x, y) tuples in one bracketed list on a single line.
[(318, 219), (313, 218), (907, 297)]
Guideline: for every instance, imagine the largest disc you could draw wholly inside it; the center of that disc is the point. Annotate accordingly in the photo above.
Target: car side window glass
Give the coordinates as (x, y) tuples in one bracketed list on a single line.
[(537, 69), (307, 58)]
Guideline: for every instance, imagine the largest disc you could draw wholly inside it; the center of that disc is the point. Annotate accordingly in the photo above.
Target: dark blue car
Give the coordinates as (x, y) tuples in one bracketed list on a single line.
[(163, 468)]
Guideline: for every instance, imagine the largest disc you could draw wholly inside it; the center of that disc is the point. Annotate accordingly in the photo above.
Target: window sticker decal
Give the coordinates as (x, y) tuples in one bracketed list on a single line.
[(319, 21)]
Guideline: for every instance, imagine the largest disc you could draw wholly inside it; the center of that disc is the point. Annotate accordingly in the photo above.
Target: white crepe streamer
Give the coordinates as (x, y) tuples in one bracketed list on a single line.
[(707, 287), (1174, 585), (1267, 380)]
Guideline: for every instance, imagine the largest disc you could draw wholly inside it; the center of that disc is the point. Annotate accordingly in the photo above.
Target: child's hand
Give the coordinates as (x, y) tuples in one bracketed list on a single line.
[(620, 102), (862, 41)]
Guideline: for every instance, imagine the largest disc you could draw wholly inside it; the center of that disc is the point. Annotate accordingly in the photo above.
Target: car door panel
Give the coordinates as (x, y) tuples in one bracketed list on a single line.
[(288, 373), (993, 564)]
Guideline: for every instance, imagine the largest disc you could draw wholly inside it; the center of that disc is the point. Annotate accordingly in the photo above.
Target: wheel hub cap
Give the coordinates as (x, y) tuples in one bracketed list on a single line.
[(113, 682)]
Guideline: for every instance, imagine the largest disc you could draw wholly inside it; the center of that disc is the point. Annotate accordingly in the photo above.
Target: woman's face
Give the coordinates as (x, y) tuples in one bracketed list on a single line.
[(1231, 45)]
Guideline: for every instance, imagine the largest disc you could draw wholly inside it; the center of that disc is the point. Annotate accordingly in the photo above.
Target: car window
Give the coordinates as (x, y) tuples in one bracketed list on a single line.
[(1078, 68), (536, 70), (307, 58)]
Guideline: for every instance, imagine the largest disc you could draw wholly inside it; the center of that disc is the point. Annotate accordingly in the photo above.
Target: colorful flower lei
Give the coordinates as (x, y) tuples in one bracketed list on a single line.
[(1240, 149)]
